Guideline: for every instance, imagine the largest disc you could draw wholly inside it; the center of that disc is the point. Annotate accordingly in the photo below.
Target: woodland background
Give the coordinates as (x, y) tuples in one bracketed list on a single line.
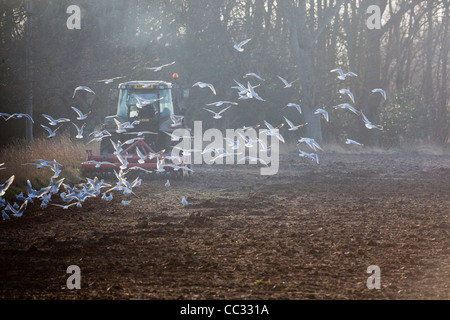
[(305, 39)]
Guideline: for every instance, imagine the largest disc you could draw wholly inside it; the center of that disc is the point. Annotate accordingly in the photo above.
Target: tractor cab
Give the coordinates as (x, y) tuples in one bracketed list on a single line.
[(145, 112), (146, 106)]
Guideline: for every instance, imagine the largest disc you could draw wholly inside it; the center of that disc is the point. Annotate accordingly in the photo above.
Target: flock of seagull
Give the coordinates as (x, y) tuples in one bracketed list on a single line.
[(76, 195)]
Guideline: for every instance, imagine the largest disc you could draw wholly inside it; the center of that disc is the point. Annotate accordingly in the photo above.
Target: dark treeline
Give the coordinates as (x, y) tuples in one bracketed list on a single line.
[(408, 57)]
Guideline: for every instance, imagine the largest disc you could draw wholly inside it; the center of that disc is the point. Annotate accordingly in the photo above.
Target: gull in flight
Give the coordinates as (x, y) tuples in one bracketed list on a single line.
[(234, 144), (98, 136), (143, 102), (273, 131), (107, 198), (251, 74), (347, 106), (217, 115), (242, 89), (343, 75), (248, 142), (292, 126), (50, 132), (130, 141), (159, 166), (312, 156), (174, 137), (43, 163), (54, 122), (238, 47), (81, 116), (82, 88), (139, 168), (4, 115), (177, 121), (383, 93), (121, 127), (294, 105), (65, 207), (204, 85), (141, 156), (160, 67), (350, 141), (347, 92), (140, 133), (251, 92), (79, 130), (219, 103), (98, 163), (5, 186), (20, 115), (16, 210), (36, 193), (286, 83), (369, 124), (323, 112), (107, 81), (311, 143)]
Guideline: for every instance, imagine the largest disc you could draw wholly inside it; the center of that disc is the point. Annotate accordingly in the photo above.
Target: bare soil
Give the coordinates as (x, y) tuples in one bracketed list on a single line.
[(309, 232)]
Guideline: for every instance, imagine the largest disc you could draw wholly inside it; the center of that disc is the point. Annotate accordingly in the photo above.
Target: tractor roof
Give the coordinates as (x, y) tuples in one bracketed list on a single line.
[(145, 85)]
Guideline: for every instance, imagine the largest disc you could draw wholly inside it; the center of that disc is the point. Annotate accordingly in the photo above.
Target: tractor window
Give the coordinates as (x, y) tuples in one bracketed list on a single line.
[(144, 103), (165, 105), (122, 108)]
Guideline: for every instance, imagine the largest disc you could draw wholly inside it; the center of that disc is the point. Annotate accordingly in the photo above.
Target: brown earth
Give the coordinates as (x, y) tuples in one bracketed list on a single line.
[(309, 232)]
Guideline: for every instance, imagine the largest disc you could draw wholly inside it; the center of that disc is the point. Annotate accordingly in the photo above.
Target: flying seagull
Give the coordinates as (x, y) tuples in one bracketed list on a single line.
[(217, 115), (81, 116), (347, 106), (312, 156), (79, 130), (292, 126), (294, 105), (343, 75), (251, 74), (251, 92), (107, 81), (160, 67), (311, 143), (286, 83), (5, 186), (383, 93), (82, 88), (54, 122), (204, 85), (273, 131), (238, 47), (350, 141), (50, 132), (369, 124), (219, 103), (347, 92), (323, 112), (20, 115)]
